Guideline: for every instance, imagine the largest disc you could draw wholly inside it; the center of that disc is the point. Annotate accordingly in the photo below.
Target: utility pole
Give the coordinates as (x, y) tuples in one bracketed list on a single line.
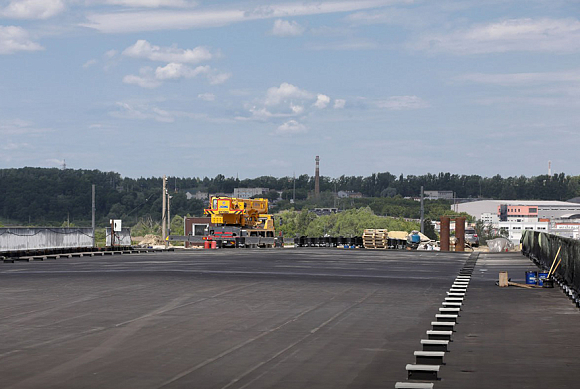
[(93, 215), (164, 211), (112, 234), (294, 191), (422, 211), (317, 178), (168, 215)]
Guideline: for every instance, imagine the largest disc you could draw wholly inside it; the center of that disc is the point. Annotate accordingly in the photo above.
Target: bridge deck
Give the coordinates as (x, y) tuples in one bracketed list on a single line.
[(303, 318)]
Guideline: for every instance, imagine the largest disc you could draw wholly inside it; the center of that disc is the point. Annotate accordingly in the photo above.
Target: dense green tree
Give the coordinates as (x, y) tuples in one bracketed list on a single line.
[(177, 226), (429, 230), (39, 196)]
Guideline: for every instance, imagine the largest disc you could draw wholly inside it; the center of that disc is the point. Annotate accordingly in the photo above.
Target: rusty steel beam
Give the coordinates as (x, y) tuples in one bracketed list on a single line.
[(460, 234), (444, 233)]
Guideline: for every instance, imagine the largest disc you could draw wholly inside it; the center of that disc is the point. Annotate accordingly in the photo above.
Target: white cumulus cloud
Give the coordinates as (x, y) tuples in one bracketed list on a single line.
[(216, 78), (33, 9), (206, 96), (174, 71), (398, 103), (144, 49), (145, 79), (285, 28), (321, 101), (339, 103), (13, 39), (291, 127), (142, 112), (148, 78), (89, 63), (285, 91), (297, 109), (287, 101)]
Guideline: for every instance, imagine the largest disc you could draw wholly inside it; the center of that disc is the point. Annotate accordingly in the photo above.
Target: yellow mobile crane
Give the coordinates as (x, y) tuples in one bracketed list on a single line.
[(232, 218)]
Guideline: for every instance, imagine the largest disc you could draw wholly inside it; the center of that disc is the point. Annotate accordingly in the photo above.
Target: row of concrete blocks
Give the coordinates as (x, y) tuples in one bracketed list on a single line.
[(71, 255), (429, 360)]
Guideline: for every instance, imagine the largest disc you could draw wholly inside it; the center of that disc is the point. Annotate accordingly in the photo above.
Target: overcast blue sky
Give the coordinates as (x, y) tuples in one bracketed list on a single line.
[(199, 88)]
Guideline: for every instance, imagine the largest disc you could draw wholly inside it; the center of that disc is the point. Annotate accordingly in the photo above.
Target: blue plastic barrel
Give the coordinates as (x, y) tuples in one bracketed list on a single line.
[(541, 277), (531, 277), (415, 239)]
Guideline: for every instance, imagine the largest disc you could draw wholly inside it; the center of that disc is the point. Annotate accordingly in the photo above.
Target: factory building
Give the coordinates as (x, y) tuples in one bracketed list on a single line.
[(515, 216), (248, 193)]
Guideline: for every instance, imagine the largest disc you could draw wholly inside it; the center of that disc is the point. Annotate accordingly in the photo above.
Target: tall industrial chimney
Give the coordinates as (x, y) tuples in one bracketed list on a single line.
[(317, 178), (550, 168)]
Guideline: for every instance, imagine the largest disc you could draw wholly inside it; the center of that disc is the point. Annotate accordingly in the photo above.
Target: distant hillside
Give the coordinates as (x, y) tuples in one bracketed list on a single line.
[(40, 196)]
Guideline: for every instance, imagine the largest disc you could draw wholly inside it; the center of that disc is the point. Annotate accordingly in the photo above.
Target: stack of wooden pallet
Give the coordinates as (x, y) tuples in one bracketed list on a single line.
[(376, 239)]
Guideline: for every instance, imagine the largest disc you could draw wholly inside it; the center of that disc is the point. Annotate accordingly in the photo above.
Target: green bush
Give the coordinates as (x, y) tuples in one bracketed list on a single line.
[(351, 222)]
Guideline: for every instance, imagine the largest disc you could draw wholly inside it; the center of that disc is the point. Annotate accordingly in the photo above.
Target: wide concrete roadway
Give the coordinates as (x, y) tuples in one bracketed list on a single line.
[(275, 318)]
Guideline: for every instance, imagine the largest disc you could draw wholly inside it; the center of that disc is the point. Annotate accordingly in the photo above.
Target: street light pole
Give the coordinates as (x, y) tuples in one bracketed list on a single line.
[(168, 215), (93, 215), (294, 190), (422, 212), (164, 211)]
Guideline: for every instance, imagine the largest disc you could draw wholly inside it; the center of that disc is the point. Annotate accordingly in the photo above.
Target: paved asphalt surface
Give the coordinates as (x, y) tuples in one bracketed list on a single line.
[(291, 318), (513, 337)]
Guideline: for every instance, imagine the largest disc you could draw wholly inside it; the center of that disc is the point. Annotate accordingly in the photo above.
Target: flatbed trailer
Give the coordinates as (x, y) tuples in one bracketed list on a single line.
[(229, 241)]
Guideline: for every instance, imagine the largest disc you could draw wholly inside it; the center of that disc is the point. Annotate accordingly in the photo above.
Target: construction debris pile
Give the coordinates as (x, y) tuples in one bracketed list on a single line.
[(151, 240)]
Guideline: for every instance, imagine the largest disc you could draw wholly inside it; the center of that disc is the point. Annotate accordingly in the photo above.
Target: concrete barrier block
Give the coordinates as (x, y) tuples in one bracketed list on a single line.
[(429, 357), (444, 317), (439, 335), (434, 345), (423, 372), (443, 325), (414, 385)]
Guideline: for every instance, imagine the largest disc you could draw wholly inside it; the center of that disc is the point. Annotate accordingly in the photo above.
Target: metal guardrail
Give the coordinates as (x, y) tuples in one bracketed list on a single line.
[(548, 250)]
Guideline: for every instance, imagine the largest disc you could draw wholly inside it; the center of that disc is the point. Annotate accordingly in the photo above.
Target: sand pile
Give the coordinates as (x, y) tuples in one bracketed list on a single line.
[(151, 240)]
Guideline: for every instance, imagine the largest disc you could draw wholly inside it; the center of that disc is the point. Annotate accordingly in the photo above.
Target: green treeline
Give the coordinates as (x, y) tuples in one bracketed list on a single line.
[(40, 196)]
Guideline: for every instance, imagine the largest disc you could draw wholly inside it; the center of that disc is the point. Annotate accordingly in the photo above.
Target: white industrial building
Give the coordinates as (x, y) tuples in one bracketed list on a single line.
[(545, 209), (516, 216), (247, 193), (439, 194), (198, 195), (515, 229)]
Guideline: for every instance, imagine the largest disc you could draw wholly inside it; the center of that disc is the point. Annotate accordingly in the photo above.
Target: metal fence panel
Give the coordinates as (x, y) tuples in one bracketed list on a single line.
[(122, 238), (37, 238)]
